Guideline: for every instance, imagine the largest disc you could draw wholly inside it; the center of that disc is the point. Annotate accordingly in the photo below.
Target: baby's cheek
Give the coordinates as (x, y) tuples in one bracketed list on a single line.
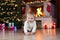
[(28, 19)]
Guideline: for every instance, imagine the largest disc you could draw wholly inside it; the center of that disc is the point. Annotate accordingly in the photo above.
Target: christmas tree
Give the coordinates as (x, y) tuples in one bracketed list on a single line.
[(10, 11)]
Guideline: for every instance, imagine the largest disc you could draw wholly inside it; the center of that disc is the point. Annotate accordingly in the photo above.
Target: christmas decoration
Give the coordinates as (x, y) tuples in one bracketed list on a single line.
[(15, 29), (23, 9), (45, 26), (10, 11), (11, 28), (53, 25), (48, 8)]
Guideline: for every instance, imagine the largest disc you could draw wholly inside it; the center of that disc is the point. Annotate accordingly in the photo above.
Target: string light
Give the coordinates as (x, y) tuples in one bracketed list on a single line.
[(9, 8)]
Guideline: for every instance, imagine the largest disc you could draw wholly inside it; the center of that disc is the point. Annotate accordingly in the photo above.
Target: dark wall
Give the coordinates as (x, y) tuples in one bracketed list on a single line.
[(57, 4), (57, 11)]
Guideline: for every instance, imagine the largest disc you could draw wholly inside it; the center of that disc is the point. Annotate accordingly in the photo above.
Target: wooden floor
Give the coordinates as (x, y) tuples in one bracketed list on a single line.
[(41, 34)]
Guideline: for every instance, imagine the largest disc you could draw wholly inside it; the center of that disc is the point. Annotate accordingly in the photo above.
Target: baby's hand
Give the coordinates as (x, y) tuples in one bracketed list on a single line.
[(28, 33), (32, 33)]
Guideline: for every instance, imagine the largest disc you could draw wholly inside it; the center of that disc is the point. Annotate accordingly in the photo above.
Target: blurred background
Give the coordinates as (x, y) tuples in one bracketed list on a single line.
[(12, 11)]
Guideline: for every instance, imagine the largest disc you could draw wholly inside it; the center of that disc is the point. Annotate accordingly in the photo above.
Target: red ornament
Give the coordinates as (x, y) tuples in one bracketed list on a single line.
[(48, 8), (23, 9), (45, 26), (54, 25)]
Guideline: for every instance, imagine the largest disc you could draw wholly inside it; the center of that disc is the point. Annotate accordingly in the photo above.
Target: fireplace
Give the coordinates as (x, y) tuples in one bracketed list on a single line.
[(42, 13), (37, 9), (39, 24)]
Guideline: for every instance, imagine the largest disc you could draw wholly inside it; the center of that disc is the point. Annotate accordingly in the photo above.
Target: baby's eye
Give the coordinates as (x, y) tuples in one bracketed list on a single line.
[(31, 18)]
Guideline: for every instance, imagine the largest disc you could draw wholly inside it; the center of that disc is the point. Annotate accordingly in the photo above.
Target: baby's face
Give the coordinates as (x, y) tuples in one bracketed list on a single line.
[(30, 18)]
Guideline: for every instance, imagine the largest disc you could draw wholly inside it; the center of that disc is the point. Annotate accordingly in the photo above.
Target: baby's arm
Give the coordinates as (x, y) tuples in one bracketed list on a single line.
[(34, 27), (25, 27)]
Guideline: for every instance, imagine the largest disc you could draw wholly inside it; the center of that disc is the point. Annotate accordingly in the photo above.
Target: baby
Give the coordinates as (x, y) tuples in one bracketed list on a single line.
[(30, 25)]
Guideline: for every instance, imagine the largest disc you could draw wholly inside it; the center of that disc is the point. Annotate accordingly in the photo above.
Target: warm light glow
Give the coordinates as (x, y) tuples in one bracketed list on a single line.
[(39, 12), (51, 32), (47, 0), (7, 21), (18, 19), (38, 35), (16, 5)]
